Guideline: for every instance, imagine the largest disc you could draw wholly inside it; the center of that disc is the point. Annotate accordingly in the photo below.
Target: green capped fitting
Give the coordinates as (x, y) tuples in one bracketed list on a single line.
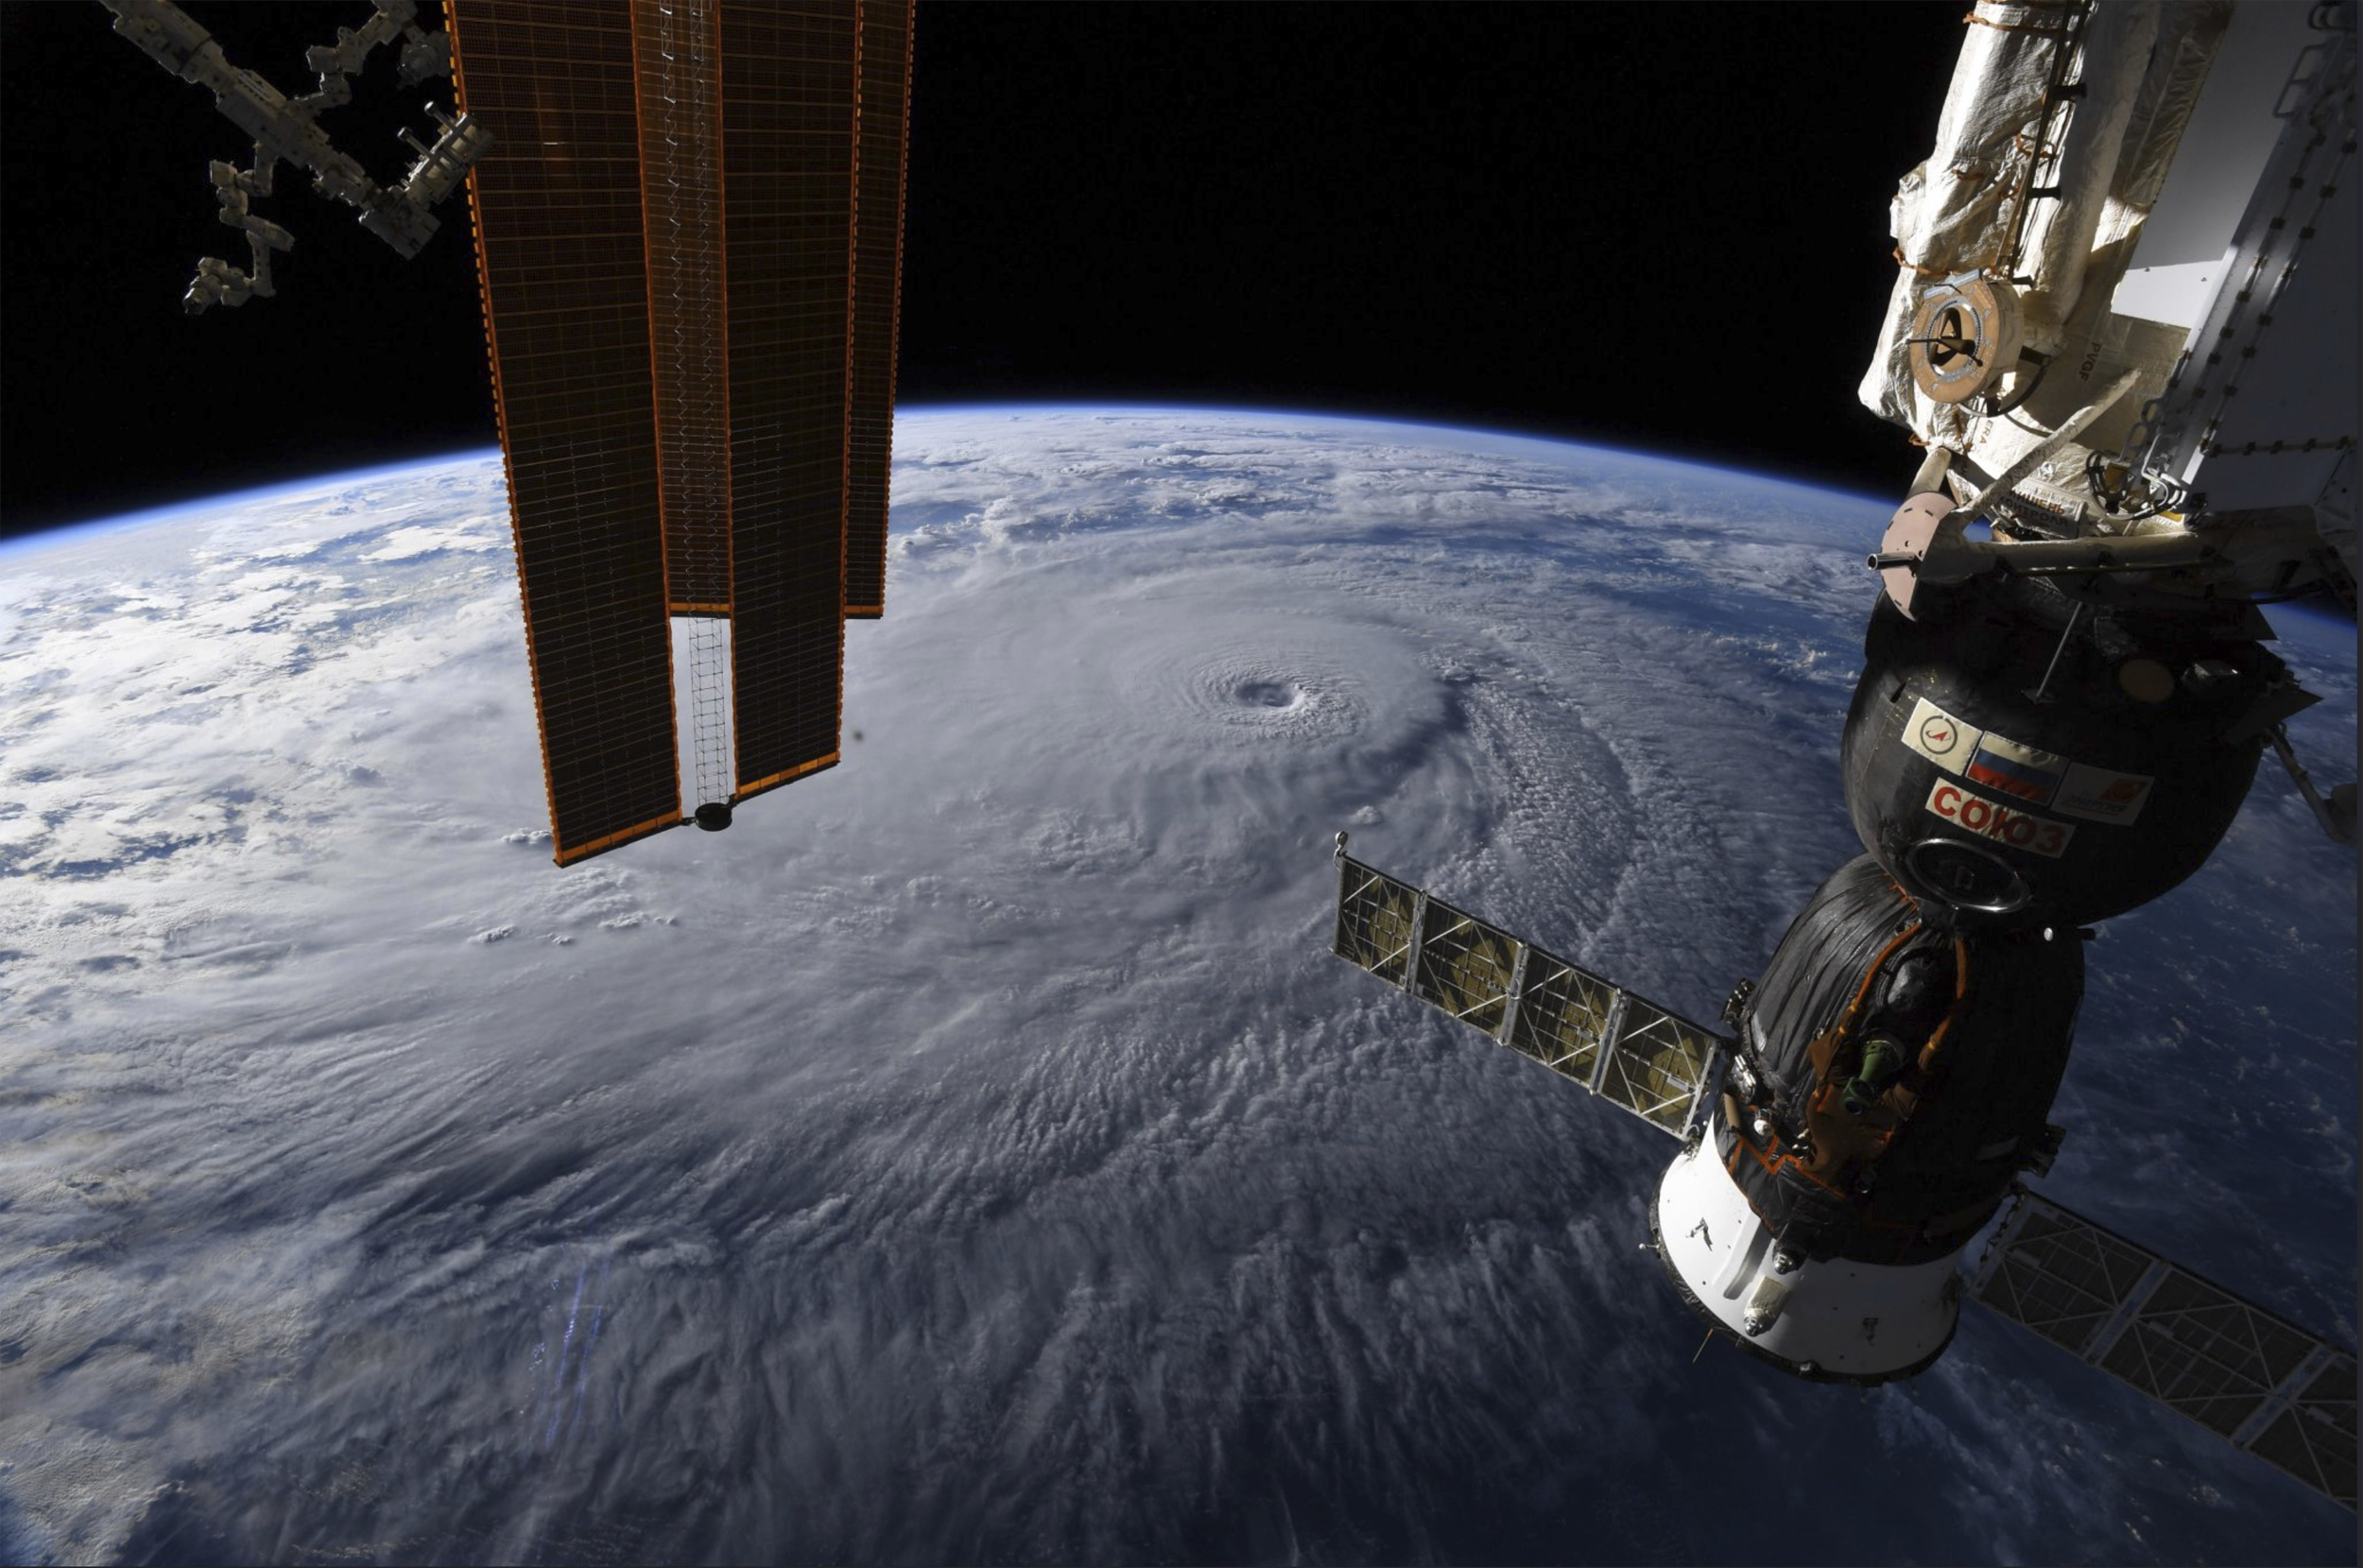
[(1882, 1064)]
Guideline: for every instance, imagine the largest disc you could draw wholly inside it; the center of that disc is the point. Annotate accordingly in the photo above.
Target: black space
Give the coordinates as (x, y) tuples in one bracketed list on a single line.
[(1658, 226)]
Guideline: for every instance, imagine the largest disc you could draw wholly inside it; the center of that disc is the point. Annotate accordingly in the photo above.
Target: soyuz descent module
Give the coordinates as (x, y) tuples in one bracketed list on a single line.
[(2124, 332)]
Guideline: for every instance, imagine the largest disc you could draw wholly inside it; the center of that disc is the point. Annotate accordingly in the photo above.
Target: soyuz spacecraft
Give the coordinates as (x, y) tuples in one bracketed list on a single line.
[(2123, 330), (688, 220)]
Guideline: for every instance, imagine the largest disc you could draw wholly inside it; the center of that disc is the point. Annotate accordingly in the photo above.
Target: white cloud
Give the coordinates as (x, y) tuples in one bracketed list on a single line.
[(974, 1150)]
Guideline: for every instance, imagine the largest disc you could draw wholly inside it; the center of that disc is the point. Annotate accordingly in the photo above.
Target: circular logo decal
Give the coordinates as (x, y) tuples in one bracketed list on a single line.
[(1939, 733)]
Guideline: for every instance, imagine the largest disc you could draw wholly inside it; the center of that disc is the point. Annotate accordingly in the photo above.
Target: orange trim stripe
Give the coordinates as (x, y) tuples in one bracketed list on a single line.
[(1862, 992), (1960, 994), (583, 852), (1775, 1165), (790, 776)]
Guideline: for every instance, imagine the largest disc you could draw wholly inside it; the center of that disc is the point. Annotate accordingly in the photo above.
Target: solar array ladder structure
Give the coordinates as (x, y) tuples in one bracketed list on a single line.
[(1633, 1053), (2242, 1373), (668, 235), (677, 49)]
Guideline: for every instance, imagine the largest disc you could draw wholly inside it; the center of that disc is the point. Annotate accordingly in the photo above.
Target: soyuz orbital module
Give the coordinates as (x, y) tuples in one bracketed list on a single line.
[(689, 240)]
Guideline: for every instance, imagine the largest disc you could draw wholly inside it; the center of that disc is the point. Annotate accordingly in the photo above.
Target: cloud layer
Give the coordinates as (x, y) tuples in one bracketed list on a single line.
[(973, 1153)]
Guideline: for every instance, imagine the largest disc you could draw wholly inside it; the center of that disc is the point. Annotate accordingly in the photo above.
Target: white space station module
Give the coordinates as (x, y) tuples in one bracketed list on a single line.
[(2124, 330)]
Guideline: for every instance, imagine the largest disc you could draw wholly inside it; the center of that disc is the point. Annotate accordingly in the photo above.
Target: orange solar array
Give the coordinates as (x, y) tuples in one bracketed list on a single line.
[(679, 84), (885, 118), (556, 204), (787, 213), (686, 344)]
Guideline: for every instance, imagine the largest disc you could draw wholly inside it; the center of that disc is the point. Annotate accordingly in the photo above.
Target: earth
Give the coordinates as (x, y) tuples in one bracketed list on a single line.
[(974, 1153)]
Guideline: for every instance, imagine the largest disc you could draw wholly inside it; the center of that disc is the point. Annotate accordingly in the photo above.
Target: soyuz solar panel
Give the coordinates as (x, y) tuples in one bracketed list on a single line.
[(2239, 1370), (1631, 1052), (1562, 1016), (1465, 966), (1658, 1065), (1373, 920)]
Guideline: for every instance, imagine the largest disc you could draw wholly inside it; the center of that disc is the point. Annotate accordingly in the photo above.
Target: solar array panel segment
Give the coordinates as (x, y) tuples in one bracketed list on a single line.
[(788, 73), (2315, 1439), (2245, 1374), (2205, 1352), (1375, 914), (1657, 1064), (677, 52), (1562, 1016), (1465, 966), (2063, 1277), (884, 113), (559, 249)]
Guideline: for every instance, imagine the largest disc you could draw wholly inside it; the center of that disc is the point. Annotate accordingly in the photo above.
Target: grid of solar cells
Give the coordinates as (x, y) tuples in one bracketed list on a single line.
[(2235, 1368), (2314, 1439), (679, 86), (1465, 966), (560, 251), (788, 193), (1374, 915), (1537, 1005), (1658, 1063), (2204, 1352), (885, 122), (2060, 1276), (1562, 1016)]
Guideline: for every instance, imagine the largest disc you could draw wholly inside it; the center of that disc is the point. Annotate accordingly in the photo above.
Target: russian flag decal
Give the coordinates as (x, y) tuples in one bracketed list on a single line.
[(2014, 769)]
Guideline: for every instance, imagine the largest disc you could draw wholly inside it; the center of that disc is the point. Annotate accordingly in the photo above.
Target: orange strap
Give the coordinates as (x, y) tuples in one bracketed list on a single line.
[(1862, 992), (1909, 1100), (1897, 251), (1960, 993)]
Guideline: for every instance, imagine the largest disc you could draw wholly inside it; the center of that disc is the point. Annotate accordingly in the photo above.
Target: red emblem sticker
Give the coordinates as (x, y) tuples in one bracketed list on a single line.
[(2097, 795)]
